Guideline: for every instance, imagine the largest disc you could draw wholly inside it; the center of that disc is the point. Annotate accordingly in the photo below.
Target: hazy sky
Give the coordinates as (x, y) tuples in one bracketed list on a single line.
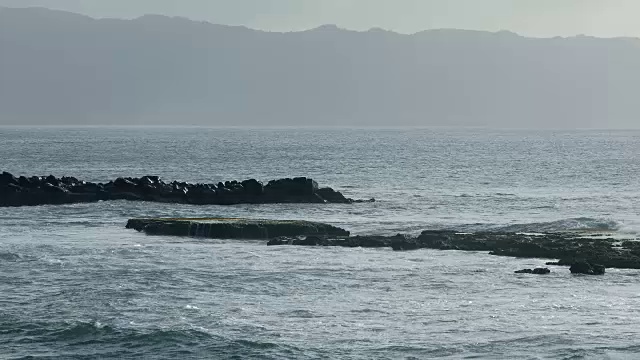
[(543, 18)]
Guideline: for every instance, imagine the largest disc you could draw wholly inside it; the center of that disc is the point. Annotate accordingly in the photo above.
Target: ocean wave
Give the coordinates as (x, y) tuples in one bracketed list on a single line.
[(545, 207), (9, 256), (81, 337), (83, 332), (305, 314), (581, 224), (368, 311), (485, 195), (412, 352), (80, 330), (504, 194)]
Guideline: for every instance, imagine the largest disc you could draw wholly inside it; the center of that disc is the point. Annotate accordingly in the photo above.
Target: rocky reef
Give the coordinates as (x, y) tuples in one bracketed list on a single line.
[(217, 228), (585, 255), (41, 190)]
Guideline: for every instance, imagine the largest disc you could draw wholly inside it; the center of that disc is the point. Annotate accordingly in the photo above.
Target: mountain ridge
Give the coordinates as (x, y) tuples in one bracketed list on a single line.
[(319, 27), (65, 68)]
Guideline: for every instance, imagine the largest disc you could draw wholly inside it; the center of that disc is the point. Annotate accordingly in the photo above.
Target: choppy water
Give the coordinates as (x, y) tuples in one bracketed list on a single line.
[(75, 284)]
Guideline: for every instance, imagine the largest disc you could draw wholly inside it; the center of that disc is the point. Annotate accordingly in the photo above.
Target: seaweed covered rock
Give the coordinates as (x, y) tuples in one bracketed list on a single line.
[(219, 228), (569, 247)]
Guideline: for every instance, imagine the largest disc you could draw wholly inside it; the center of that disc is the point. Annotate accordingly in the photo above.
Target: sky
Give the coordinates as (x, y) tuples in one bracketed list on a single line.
[(537, 18)]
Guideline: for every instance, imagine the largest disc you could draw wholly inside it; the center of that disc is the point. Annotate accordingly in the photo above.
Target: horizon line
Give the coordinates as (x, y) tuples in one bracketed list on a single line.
[(314, 127)]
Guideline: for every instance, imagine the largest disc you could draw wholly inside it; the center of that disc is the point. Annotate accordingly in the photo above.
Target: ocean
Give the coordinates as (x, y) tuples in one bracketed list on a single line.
[(75, 284)]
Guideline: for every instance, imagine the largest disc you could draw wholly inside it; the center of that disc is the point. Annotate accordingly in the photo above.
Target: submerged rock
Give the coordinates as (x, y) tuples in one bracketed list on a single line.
[(25, 191), (536, 271), (218, 228), (541, 271)]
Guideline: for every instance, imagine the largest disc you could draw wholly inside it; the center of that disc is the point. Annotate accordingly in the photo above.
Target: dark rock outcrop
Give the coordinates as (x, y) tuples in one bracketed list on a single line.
[(216, 228), (536, 271), (36, 190), (583, 267), (570, 248)]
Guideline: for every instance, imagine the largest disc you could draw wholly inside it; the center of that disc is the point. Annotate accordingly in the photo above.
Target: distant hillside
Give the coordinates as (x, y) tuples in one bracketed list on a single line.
[(63, 68)]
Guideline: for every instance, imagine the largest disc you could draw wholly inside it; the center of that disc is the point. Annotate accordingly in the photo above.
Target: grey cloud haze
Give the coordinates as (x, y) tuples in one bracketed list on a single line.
[(541, 18)]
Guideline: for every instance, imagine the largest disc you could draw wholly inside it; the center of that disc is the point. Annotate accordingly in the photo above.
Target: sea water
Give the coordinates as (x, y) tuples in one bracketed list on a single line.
[(75, 284)]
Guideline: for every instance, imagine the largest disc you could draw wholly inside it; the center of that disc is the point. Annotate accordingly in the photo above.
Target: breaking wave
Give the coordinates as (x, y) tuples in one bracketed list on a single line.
[(97, 340)]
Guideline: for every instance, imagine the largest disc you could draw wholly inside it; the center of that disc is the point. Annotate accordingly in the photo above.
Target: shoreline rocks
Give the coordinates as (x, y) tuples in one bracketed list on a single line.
[(49, 190)]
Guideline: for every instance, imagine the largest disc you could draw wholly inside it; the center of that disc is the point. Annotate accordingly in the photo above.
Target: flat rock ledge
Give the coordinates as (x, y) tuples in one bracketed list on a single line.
[(585, 255), (49, 190), (219, 228)]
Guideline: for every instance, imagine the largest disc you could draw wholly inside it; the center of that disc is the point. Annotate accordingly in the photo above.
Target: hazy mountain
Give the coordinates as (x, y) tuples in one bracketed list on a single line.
[(63, 68)]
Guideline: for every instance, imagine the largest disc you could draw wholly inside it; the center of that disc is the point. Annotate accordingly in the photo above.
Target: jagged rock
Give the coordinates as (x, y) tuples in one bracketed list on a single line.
[(52, 180), (150, 179), (35, 181), (583, 267), (122, 183), (253, 187), (51, 188), (7, 178), (37, 191), (24, 182), (296, 188), (69, 180), (332, 196)]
